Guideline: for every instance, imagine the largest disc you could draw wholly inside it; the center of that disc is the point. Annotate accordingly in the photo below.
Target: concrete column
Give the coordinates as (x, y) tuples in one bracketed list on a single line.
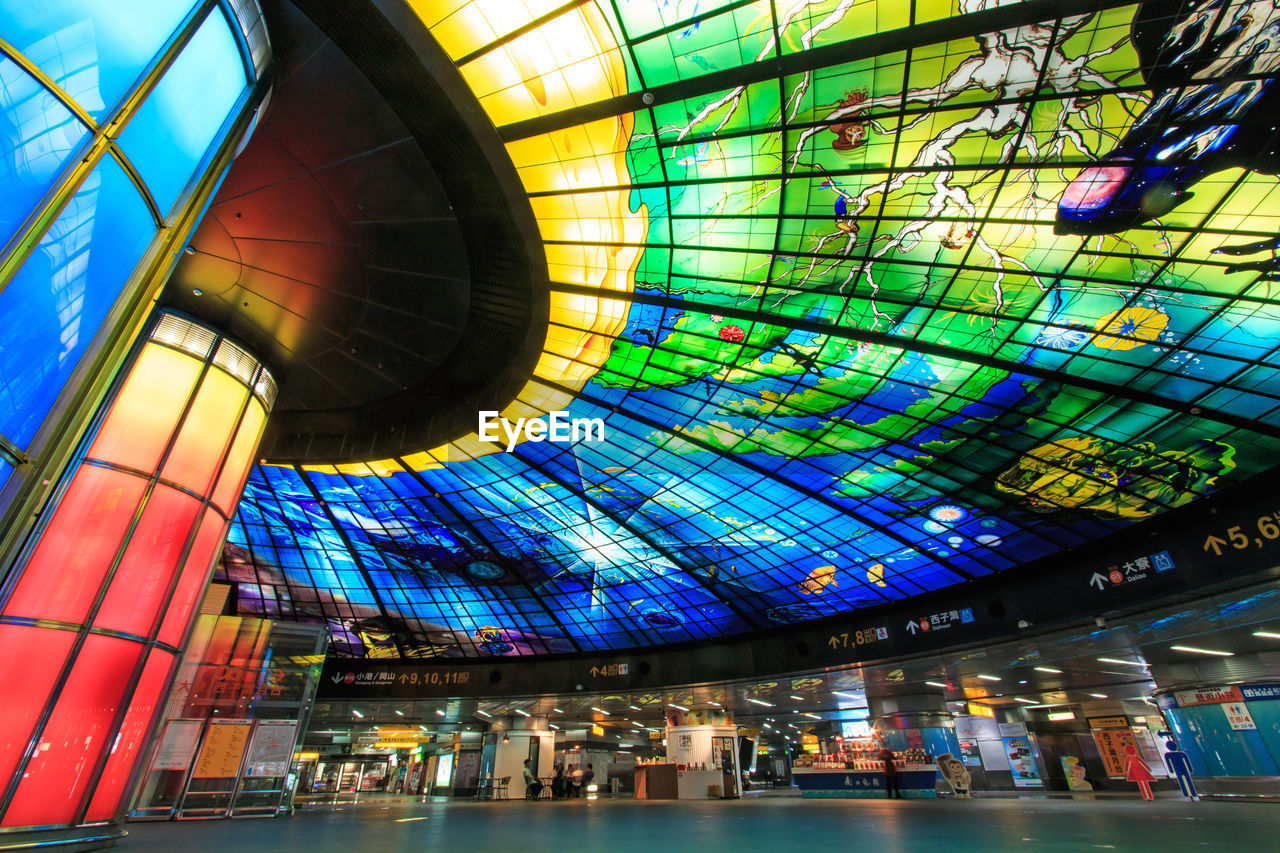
[(519, 738)]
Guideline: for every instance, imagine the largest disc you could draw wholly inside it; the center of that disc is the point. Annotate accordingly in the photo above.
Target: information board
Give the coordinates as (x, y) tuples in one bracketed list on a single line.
[(177, 745), (223, 748), (271, 749)]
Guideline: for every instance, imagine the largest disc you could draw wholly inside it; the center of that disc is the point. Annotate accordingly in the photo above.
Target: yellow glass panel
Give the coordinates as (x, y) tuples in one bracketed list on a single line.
[(239, 459), (207, 430), (147, 409)]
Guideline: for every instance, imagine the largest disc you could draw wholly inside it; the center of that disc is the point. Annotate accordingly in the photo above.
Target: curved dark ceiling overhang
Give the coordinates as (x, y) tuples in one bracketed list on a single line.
[(368, 244)]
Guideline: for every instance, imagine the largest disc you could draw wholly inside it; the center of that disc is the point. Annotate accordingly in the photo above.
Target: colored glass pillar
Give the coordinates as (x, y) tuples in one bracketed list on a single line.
[(100, 604), (117, 120)]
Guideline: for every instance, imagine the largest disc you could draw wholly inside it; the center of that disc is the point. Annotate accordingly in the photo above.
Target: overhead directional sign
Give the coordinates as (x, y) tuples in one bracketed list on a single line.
[(1131, 571), (940, 621), (860, 637)]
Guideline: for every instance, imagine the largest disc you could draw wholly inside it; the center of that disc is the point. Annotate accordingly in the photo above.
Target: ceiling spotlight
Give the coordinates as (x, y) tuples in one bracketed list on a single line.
[(424, 728), (760, 702), (715, 704), (506, 738), (600, 710), (401, 713), (357, 713), (1049, 669), (554, 726), (439, 713), (1125, 662), (989, 677), (557, 710), (936, 684), (1198, 651), (634, 707), (1267, 634)]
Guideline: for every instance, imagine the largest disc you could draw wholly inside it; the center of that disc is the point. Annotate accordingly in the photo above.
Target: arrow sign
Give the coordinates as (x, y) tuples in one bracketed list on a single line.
[(913, 627), (1099, 581), (337, 678), (833, 642)]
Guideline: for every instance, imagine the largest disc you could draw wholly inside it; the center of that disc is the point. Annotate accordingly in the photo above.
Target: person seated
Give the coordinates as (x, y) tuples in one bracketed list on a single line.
[(558, 783), (532, 785)]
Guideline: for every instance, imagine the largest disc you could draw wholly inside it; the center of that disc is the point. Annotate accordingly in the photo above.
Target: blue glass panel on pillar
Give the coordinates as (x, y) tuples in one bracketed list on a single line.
[(57, 301), (93, 49), (38, 135), (171, 132)]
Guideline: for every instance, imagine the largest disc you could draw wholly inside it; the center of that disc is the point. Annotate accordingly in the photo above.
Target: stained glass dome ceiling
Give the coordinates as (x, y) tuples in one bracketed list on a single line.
[(872, 298)]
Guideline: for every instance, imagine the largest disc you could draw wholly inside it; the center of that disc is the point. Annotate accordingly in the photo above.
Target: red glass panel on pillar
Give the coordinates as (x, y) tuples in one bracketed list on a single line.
[(118, 568)]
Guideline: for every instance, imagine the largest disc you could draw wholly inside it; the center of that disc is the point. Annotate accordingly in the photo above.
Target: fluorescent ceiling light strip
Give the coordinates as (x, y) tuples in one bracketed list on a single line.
[(761, 702), (1198, 651), (1048, 669), (522, 713), (1125, 662), (679, 707), (600, 710), (936, 684), (989, 677), (1267, 634), (1025, 701)]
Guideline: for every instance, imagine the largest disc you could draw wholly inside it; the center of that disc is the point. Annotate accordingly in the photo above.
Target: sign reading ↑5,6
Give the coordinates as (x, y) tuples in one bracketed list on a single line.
[(559, 428)]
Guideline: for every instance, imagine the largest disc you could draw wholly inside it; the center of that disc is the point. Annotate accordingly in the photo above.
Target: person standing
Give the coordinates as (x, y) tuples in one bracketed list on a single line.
[(891, 789), (587, 776)]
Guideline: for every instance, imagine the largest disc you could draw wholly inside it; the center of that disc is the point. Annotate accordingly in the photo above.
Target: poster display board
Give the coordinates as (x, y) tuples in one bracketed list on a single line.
[(177, 745), (271, 749), (1111, 744), (1075, 773), (994, 756), (223, 748), (1022, 762)]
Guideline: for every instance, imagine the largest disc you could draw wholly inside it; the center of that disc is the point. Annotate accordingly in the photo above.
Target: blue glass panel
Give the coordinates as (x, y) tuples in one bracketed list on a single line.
[(58, 299), (37, 137), (1223, 750), (169, 134), (93, 49), (1266, 715)]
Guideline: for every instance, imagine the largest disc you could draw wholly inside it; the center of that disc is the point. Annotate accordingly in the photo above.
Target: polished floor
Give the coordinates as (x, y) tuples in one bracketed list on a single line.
[(769, 824)]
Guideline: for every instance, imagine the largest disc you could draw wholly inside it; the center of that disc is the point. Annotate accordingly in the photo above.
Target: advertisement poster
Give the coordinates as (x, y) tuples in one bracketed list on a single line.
[(1022, 763), (1074, 771), (272, 748), (177, 745), (1111, 744), (1239, 717), (223, 749)]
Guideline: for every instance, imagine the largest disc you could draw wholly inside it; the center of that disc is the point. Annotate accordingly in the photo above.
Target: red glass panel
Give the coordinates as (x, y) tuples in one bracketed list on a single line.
[(25, 688), (206, 432), (62, 577), (146, 411), (133, 736), (142, 580), (76, 734), (227, 493), (194, 578)]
